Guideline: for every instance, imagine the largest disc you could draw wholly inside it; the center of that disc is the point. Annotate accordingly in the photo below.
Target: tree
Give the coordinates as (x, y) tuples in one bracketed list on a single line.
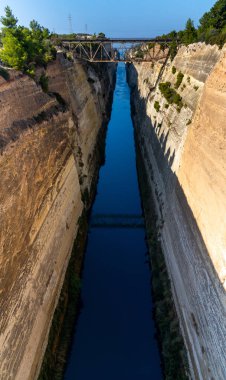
[(13, 53), (212, 28), (23, 48), (38, 31), (215, 18), (9, 21), (101, 35), (173, 35), (190, 33), (213, 24), (173, 49), (34, 26)]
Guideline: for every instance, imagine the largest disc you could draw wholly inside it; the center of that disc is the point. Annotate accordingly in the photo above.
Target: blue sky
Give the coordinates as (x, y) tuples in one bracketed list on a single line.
[(125, 18)]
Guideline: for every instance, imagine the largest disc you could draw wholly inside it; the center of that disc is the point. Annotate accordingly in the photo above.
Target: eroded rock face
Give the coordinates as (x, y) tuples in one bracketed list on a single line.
[(184, 156), (48, 145), (203, 166)]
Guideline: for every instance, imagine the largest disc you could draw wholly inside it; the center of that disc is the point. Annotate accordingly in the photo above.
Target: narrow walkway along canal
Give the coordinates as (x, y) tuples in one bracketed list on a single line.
[(114, 337)]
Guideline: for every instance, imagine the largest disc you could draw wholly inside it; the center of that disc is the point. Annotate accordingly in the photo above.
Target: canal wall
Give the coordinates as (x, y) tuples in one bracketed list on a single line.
[(51, 138), (182, 146)]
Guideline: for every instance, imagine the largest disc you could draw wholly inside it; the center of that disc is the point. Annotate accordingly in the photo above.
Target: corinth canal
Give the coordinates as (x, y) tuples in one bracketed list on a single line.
[(115, 335)]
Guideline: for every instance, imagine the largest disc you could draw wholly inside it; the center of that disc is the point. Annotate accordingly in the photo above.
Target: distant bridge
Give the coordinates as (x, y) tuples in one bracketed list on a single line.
[(117, 221), (119, 49)]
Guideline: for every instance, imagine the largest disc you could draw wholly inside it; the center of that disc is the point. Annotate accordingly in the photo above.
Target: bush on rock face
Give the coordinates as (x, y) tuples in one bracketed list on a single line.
[(180, 77), (170, 94), (157, 106)]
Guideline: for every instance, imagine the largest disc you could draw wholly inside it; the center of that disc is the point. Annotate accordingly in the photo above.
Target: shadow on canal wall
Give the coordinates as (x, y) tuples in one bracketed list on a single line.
[(70, 303), (185, 297)]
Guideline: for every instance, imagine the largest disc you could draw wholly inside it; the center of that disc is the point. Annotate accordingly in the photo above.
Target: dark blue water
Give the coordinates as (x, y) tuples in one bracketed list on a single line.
[(114, 338)]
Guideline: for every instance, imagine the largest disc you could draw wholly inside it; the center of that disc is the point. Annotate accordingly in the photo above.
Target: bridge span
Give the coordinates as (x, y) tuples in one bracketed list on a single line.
[(119, 49)]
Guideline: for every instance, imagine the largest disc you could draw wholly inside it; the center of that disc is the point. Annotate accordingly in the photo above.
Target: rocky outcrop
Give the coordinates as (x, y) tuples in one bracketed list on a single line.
[(49, 165), (183, 151)]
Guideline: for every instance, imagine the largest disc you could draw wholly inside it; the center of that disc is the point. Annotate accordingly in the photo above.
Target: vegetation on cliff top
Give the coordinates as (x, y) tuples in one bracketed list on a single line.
[(24, 48), (211, 29)]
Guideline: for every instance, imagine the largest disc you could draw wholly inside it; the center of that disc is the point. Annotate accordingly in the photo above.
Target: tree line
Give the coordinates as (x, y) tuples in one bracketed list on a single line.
[(211, 29), (24, 48)]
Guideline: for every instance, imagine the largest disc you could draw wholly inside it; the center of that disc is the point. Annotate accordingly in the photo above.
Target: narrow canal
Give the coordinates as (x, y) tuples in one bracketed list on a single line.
[(114, 337)]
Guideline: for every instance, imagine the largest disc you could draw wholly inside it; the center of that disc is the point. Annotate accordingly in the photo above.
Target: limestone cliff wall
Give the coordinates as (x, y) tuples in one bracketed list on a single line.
[(184, 155), (49, 160)]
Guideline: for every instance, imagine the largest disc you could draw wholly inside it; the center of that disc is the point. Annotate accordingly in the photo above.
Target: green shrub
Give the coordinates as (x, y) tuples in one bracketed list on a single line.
[(139, 53), (157, 106), (101, 35), (151, 45), (44, 82), (170, 94), (70, 57), (31, 71), (180, 77), (4, 73), (174, 70)]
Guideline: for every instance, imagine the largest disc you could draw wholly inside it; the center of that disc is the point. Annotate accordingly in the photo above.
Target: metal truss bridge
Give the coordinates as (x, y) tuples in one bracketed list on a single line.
[(119, 49)]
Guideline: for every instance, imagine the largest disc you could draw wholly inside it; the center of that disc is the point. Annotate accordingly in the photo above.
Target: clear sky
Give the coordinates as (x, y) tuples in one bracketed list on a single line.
[(119, 18)]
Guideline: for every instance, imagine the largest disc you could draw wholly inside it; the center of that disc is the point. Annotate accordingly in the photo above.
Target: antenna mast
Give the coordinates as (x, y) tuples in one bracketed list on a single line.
[(70, 24)]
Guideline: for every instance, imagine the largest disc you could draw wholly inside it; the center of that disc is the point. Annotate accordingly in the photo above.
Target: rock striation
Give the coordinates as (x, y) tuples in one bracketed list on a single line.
[(183, 151), (49, 144)]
